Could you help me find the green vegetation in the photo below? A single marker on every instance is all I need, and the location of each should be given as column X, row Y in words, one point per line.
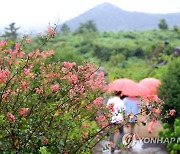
column 170, row 89
column 124, row 54
column 174, row 133
column 163, row 25
column 132, row 54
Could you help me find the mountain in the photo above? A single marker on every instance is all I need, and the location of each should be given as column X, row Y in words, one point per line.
column 109, row 17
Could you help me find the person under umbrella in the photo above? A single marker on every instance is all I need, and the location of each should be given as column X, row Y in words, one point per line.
column 132, row 105
column 117, row 108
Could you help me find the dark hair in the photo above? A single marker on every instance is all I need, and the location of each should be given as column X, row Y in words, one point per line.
column 123, row 96
column 117, row 93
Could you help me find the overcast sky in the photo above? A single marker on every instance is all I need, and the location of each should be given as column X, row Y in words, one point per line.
column 38, row 13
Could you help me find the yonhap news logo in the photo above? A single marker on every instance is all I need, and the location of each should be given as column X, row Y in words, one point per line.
column 129, row 140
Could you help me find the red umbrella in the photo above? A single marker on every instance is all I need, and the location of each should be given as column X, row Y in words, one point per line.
column 126, row 86
column 144, row 91
column 152, row 84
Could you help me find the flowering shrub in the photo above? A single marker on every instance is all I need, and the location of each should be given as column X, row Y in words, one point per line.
column 53, row 107
column 47, row 104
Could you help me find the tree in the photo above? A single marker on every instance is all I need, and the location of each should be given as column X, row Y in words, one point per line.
column 176, row 29
column 65, row 29
column 11, row 32
column 170, row 88
column 89, row 26
column 163, row 25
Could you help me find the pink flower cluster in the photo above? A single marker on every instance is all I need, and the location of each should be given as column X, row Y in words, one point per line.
column 24, row 84
column 23, row 111
column 153, row 99
column 98, row 101
column 11, row 117
column 96, row 82
column 28, row 40
column 69, row 65
column 6, row 94
column 43, row 54
column 3, row 43
column 151, row 126
column 38, row 91
column 172, row 112
column 72, row 78
column 101, row 118
column 51, row 31
column 4, row 74
column 55, row 87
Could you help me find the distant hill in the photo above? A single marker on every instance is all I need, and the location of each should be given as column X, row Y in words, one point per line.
column 109, row 17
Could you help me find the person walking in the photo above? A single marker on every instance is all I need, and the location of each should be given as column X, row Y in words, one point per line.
column 132, row 105
column 117, row 108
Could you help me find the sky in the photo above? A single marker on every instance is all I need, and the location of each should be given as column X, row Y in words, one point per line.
column 36, row 14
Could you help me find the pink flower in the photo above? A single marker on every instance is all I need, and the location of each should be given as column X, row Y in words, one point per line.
column 111, row 144
column 98, row 101
column 14, row 53
column 51, row 31
column 3, row 43
column 157, row 111
column 17, row 45
column 80, row 68
column 38, row 91
column 172, row 112
column 45, row 140
column 23, row 111
column 151, row 126
column 30, row 54
column 11, row 117
column 21, row 54
column 69, row 65
column 51, row 52
column 85, row 134
column 27, row 71
column 101, row 118
column 4, row 96
column 28, row 40
column 72, row 92
column 4, row 74
column 24, row 84
column 55, row 87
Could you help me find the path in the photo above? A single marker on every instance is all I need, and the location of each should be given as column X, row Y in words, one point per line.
column 138, row 148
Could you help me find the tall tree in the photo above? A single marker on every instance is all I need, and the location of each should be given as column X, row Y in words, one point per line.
column 11, row 32
column 89, row 26
column 169, row 91
column 65, row 29
column 163, row 25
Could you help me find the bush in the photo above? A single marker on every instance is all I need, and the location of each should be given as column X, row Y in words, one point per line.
column 169, row 91
column 47, row 107
column 172, row 132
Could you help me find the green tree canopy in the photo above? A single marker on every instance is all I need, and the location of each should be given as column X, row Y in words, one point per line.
column 163, row 25
column 170, row 88
column 65, row 29
column 89, row 26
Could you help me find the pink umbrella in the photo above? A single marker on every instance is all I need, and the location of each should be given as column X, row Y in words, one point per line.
column 144, row 91
column 152, row 84
column 126, row 86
